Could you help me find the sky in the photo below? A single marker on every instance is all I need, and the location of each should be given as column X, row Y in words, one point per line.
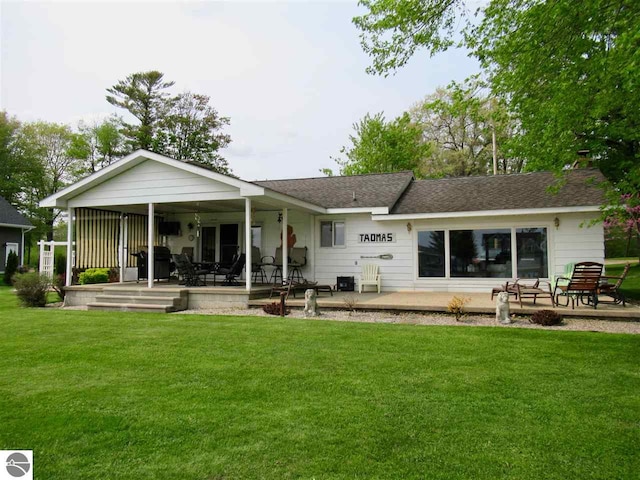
column 290, row 75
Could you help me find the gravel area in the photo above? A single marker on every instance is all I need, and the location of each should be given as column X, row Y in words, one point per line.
column 412, row 318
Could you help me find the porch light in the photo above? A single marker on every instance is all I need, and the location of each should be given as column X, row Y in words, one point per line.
column 280, row 217
column 409, row 227
column 556, row 222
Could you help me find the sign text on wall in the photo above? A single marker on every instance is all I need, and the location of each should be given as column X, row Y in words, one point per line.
column 376, row 237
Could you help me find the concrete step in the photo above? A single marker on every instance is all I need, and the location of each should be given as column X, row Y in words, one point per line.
column 133, row 307
column 119, row 299
column 146, row 292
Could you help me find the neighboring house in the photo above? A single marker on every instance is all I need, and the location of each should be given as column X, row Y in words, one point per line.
column 12, row 229
column 452, row 234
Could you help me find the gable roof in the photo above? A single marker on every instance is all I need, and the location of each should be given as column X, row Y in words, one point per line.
column 501, row 192
column 371, row 190
column 10, row 216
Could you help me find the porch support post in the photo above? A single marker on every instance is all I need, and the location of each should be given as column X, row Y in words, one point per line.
column 121, row 248
column 69, row 276
column 150, row 251
column 247, row 242
column 285, row 245
column 22, row 246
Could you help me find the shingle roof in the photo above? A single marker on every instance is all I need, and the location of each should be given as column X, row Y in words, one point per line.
column 11, row 216
column 373, row 190
column 499, row 192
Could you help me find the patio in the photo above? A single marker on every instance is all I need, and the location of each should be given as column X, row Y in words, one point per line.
column 223, row 297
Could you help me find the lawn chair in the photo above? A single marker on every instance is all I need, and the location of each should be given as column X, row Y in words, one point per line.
column 582, row 286
column 233, row 272
column 369, row 276
column 192, row 276
column 613, row 289
column 257, row 265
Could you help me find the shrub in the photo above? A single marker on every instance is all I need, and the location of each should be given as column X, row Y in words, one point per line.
column 350, row 302
column 274, row 309
column 546, row 317
column 61, row 264
column 23, row 269
column 456, row 306
column 32, row 288
column 10, row 267
column 94, row 275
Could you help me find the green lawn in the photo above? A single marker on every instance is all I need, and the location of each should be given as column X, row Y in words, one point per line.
column 99, row 395
column 631, row 285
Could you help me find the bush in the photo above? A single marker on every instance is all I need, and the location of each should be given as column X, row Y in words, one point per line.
column 32, row 288
column 456, row 306
column 546, row 317
column 94, row 275
column 10, row 267
column 61, row 264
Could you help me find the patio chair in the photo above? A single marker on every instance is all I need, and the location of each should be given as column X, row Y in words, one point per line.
column 191, row 276
column 233, row 272
column 613, row 289
column 540, row 288
column 369, row 276
column 582, row 286
column 257, row 265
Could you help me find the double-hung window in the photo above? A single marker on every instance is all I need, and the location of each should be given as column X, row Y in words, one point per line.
column 332, row 234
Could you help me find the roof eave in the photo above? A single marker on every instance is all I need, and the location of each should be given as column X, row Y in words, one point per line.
column 487, row 213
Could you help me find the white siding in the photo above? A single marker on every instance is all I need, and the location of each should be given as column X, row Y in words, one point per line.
column 570, row 242
column 154, row 182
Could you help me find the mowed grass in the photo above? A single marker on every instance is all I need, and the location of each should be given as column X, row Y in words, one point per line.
column 102, row 395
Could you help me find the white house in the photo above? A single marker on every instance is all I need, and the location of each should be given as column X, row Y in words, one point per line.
column 451, row 234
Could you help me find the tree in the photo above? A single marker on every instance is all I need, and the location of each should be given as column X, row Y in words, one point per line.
column 460, row 121
column 98, row 145
column 143, row 95
column 46, row 148
column 11, row 170
column 184, row 126
column 190, row 131
column 380, row 147
column 568, row 72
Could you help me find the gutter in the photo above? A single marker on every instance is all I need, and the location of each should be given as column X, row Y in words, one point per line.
column 485, row 213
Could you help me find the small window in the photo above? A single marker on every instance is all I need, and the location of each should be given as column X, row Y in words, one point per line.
column 332, row 234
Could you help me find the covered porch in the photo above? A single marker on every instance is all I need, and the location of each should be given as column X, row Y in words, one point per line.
column 146, row 201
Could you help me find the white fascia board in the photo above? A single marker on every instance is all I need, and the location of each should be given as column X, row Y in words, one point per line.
column 156, row 199
column 293, row 201
column 60, row 199
column 26, row 228
column 486, row 213
column 371, row 210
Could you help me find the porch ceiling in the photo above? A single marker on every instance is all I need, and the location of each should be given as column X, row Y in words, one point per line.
column 217, row 206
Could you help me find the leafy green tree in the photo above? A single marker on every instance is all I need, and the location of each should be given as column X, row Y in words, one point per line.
column 460, row 121
column 98, row 145
column 12, row 170
column 378, row 146
column 184, row 126
column 190, row 131
column 568, row 71
column 47, row 149
column 144, row 95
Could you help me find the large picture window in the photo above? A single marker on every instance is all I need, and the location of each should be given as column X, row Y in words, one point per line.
column 431, row 254
column 532, row 252
column 483, row 253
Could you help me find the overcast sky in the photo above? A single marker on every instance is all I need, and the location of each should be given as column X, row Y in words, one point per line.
column 290, row 75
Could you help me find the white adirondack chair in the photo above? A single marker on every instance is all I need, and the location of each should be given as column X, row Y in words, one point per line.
column 369, row 276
